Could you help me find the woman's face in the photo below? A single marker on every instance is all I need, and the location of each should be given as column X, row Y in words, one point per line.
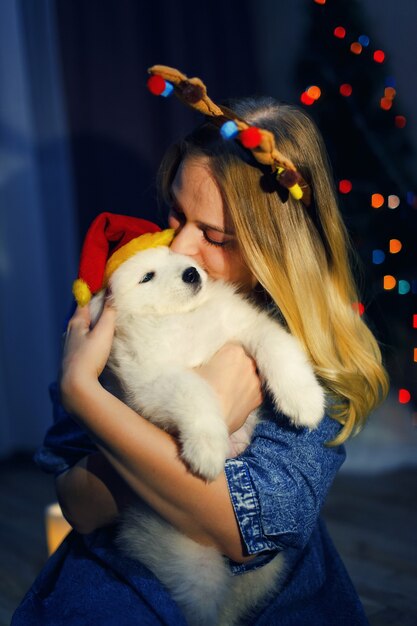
column 201, row 231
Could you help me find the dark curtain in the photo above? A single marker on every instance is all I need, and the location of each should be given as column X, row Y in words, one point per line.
column 118, row 130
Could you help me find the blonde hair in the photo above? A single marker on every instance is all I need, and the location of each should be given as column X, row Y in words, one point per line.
column 300, row 256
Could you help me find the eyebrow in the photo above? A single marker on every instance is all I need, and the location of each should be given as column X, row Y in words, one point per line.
column 200, row 223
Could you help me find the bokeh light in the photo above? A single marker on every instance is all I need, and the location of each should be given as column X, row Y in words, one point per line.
column 345, row 89
column 378, row 257
column 395, row 246
column 400, row 121
column 306, row 99
column 364, row 40
column 393, row 202
column 389, row 92
column 415, row 320
column 403, row 287
column 359, row 308
column 379, row 56
column 389, row 282
column 404, row 396
column 415, row 355
column 345, row 186
column 377, row 200
column 385, row 104
column 339, row 32
column 314, row 92
column 320, row 1
column 356, row 47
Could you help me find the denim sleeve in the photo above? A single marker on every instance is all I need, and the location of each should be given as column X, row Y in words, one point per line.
column 279, row 483
column 65, row 442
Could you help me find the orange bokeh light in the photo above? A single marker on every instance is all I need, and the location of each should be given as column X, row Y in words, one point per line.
column 314, row 92
column 377, row 200
column 386, row 104
column 395, row 246
column 389, row 92
column 389, row 282
column 356, row 47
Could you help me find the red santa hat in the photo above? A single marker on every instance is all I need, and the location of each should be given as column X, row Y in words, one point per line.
column 111, row 240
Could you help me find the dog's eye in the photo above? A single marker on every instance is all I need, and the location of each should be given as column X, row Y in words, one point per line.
column 148, row 276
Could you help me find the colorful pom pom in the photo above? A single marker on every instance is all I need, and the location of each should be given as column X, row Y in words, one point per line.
column 169, row 88
column 229, row 130
column 296, row 192
column 156, row 85
column 250, row 137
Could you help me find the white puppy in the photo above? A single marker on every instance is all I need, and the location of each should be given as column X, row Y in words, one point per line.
column 171, row 317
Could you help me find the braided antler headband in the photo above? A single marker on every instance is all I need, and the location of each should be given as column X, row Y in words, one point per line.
column 193, row 92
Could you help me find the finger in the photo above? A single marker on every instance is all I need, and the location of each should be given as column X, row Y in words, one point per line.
column 105, row 325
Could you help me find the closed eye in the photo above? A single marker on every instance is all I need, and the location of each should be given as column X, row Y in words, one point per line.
column 147, row 277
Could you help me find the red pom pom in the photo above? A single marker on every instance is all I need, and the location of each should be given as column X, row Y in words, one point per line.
column 250, row 137
column 156, row 85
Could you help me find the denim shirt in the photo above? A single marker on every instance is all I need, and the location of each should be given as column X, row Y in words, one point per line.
column 277, row 485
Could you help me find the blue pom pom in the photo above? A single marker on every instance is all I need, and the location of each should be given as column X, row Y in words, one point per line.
column 229, row 130
column 168, row 89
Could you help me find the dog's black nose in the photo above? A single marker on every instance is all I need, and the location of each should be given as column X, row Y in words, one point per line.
column 190, row 275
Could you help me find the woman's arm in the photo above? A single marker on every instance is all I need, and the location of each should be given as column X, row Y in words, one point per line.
column 145, row 457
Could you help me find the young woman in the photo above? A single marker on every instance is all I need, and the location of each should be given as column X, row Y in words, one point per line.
column 231, row 215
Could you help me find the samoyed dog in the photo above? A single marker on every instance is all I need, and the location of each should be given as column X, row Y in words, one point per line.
column 170, row 318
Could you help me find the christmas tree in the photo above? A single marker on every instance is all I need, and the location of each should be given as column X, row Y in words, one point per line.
column 345, row 82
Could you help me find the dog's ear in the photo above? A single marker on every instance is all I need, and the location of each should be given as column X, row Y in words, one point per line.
column 96, row 306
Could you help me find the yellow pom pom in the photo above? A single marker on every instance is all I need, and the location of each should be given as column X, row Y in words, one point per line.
column 81, row 292
column 296, row 192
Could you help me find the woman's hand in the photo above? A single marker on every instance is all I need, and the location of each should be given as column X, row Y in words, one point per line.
column 85, row 352
column 233, row 375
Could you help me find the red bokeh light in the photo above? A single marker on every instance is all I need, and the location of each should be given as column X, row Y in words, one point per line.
column 345, row 186
column 379, row 56
column 345, row 89
column 339, row 32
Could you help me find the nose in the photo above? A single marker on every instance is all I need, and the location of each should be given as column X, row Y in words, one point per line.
column 190, row 275
column 185, row 242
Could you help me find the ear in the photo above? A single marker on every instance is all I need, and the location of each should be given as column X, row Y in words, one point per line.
column 96, row 306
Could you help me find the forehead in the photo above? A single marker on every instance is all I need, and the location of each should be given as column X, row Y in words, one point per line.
column 197, row 193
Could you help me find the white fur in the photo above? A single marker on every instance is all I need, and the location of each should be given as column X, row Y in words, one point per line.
column 164, row 328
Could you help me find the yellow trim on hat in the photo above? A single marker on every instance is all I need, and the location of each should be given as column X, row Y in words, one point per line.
column 148, row 240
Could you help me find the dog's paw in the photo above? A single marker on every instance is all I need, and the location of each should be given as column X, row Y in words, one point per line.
column 304, row 405
column 205, row 450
